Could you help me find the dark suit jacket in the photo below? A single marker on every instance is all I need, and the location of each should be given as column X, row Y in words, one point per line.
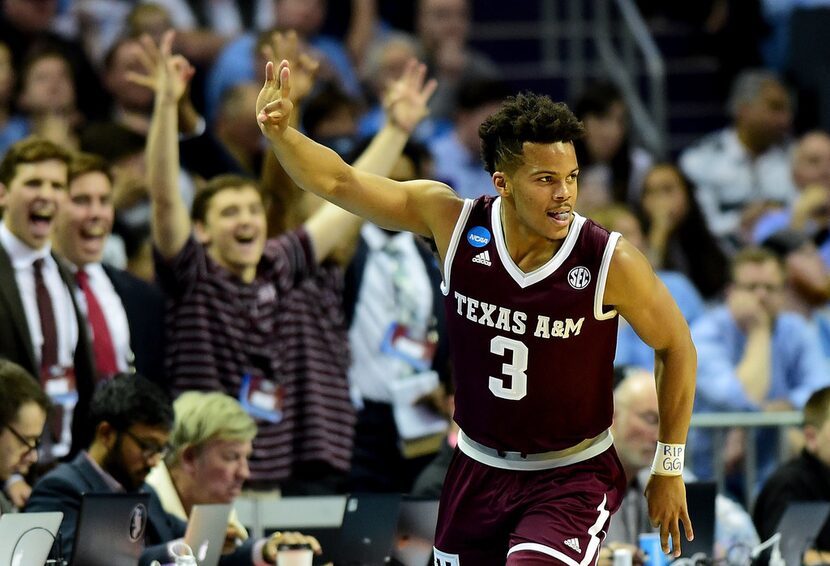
column 144, row 305
column 62, row 490
column 16, row 342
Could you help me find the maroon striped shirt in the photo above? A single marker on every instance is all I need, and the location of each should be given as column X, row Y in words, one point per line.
column 221, row 329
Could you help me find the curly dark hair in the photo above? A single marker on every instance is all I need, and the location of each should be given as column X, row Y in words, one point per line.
column 130, row 399
column 526, row 117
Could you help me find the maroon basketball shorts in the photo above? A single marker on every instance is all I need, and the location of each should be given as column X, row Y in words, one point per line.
column 491, row 516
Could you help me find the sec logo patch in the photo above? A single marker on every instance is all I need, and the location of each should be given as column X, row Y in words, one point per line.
column 579, row 277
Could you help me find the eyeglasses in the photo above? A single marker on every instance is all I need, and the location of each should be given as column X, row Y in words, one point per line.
column 149, row 449
column 30, row 445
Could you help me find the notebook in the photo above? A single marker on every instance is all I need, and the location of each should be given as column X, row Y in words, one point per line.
column 111, row 529
column 799, row 526
column 368, row 530
column 415, row 533
column 27, row 538
column 206, row 528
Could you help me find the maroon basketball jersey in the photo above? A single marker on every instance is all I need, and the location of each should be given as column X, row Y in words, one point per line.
column 532, row 353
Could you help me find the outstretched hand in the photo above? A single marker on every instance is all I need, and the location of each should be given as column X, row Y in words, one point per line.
column 167, row 75
column 667, row 509
column 405, row 100
column 273, row 105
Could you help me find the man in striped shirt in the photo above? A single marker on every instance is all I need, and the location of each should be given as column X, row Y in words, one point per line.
column 227, row 282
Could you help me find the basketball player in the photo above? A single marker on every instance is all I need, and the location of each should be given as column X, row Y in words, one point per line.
column 532, row 293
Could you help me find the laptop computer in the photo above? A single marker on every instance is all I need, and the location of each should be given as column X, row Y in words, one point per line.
column 206, row 528
column 26, row 538
column 799, row 526
column 319, row 516
column 368, row 530
column 700, row 499
column 415, row 533
column 111, row 529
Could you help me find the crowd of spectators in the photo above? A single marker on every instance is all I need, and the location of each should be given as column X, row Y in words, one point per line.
column 146, row 229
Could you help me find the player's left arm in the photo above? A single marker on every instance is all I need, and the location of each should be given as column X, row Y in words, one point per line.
column 642, row 299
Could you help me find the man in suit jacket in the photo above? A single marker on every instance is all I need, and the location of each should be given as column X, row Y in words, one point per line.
column 33, row 177
column 132, row 418
column 126, row 314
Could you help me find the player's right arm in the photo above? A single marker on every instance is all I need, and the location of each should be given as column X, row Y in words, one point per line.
column 427, row 208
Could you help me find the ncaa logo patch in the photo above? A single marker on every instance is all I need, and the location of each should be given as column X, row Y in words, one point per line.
column 579, row 277
column 478, row 236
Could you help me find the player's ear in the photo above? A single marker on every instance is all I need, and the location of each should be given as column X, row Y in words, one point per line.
column 500, row 182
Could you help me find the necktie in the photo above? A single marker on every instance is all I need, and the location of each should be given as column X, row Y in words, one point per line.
column 49, row 348
column 101, row 339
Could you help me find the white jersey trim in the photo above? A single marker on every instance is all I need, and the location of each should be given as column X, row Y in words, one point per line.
column 526, row 279
column 590, row 551
column 602, row 278
column 451, row 249
column 530, row 462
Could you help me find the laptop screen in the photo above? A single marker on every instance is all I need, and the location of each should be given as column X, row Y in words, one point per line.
column 26, row 538
column 799, row 526
column 700, row 498
column 415, row 534
column 206, row 528
column 111, row 529
column 368, row 531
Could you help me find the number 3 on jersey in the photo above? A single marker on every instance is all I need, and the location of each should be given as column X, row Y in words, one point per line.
column 502, row 346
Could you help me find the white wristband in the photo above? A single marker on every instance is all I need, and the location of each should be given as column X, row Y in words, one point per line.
column 668, row 460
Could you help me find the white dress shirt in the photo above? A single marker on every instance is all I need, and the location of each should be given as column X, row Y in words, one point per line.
column 22, row 257
column 728, row 178
column 377, row 308
column 113, row 309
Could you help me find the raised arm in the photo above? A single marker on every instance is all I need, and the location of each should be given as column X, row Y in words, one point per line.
column 642, row 299
column 424, row 207
column 405, row 105
column 168, row 76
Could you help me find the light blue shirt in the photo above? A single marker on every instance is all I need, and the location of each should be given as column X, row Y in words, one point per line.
column 798, row 369
column 426, row 131
column 460, row 168
column 15, row 130
column 235, row 65
column 631, row 350
column 776, row 220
